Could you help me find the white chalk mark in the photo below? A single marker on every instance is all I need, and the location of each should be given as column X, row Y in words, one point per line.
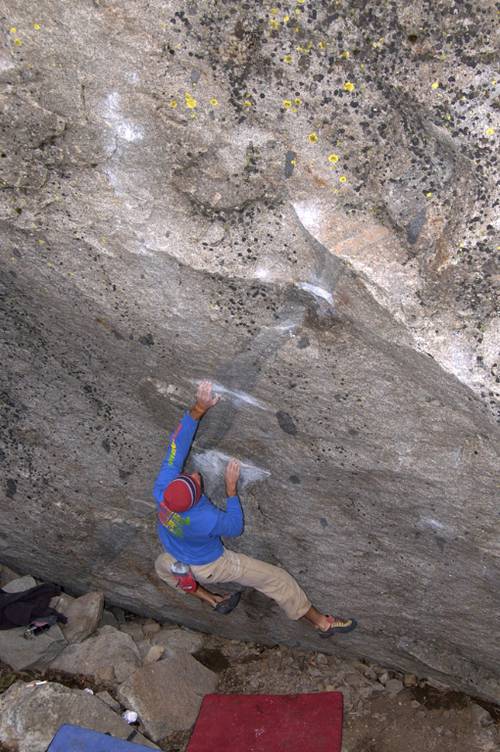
column 211, row 465
column 132, row 77
column 122, row 128
column 286, row 326
column 262, row 273
column 445, row 531
column 318, row 292
column 309, row 215
column 235, row 395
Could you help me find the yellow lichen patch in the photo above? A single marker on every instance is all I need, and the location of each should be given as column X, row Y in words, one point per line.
column 348, row 86
column 37, row 26
column 313, row 138
column 345, row 55
column 490, row 131
column 342, row 179
column 274, row 11
column 247, row 103
column 297, row 101
column 274, row 23
column 18, row 42
column 293, row 162
column 428, row 194
column 13, row 30
column 333, row 158
column 214, row 102
column 435, row 85
column 190, row 101
column 322, row 45
column 298, row 11
column 287, row 59
column 287, row 103
column 173, row 103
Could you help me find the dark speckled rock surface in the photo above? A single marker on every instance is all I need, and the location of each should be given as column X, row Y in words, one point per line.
column 298, row 202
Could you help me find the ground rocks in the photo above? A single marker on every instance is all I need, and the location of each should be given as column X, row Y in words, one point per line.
column 7, row 575
column 38, row 652
column 154, row 654
column 178, row 640
column 84, row 614
column 21, row 653
column 30, row 715
column 109, row 652
column 300, row 204
column 167, row 695
column 19, row 584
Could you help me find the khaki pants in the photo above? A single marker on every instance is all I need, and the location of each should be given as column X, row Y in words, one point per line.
column 273, row 581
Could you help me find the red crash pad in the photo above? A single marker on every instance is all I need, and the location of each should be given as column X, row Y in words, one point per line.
column 269, row 723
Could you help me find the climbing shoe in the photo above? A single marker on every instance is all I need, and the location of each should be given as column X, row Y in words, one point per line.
column 228, row 604
column 338, row 625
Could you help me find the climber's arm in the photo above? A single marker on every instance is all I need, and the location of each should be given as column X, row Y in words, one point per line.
column 230, row 523
column 181, row 439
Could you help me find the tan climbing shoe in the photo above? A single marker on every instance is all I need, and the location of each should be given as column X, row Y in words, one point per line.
column 338, row 625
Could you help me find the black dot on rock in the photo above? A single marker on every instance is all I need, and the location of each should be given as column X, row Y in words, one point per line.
column 11, row 488
column 294, row 479
column 286, row 422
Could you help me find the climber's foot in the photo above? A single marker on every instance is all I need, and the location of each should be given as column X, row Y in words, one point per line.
column 334, row 624
column 227, row 603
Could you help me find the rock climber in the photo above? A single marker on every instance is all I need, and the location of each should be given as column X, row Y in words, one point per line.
column 190, row 529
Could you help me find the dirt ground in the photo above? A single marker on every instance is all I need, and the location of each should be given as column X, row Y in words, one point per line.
column 381, row 714
column 376, row 720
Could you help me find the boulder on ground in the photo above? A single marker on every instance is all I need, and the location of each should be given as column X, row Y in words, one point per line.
column 21, row 654
column 108, row 619
column 178, row 640
column 7, row 575
column 154, row 654
column 84, row 615
column 62, row 602
column 134, row 629
column 109, row 700
column 107, row 649
column 30, row 715
column 167, row 695
column 20, row 584
column 151, row 627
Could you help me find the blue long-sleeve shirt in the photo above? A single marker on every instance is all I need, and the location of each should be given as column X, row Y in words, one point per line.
column 193, row 536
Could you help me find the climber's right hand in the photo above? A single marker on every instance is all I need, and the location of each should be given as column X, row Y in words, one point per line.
column 231, row 477
column 204, row 400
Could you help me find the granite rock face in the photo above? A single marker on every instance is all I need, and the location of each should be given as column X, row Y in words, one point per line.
column 297, row 202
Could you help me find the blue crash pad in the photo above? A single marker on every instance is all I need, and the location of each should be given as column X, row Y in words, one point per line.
column 77, row 739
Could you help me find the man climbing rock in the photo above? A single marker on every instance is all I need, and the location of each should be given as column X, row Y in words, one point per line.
column 190, row 529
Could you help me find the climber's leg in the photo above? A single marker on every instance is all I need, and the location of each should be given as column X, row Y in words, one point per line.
column 163, row 566
column 273, row 581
